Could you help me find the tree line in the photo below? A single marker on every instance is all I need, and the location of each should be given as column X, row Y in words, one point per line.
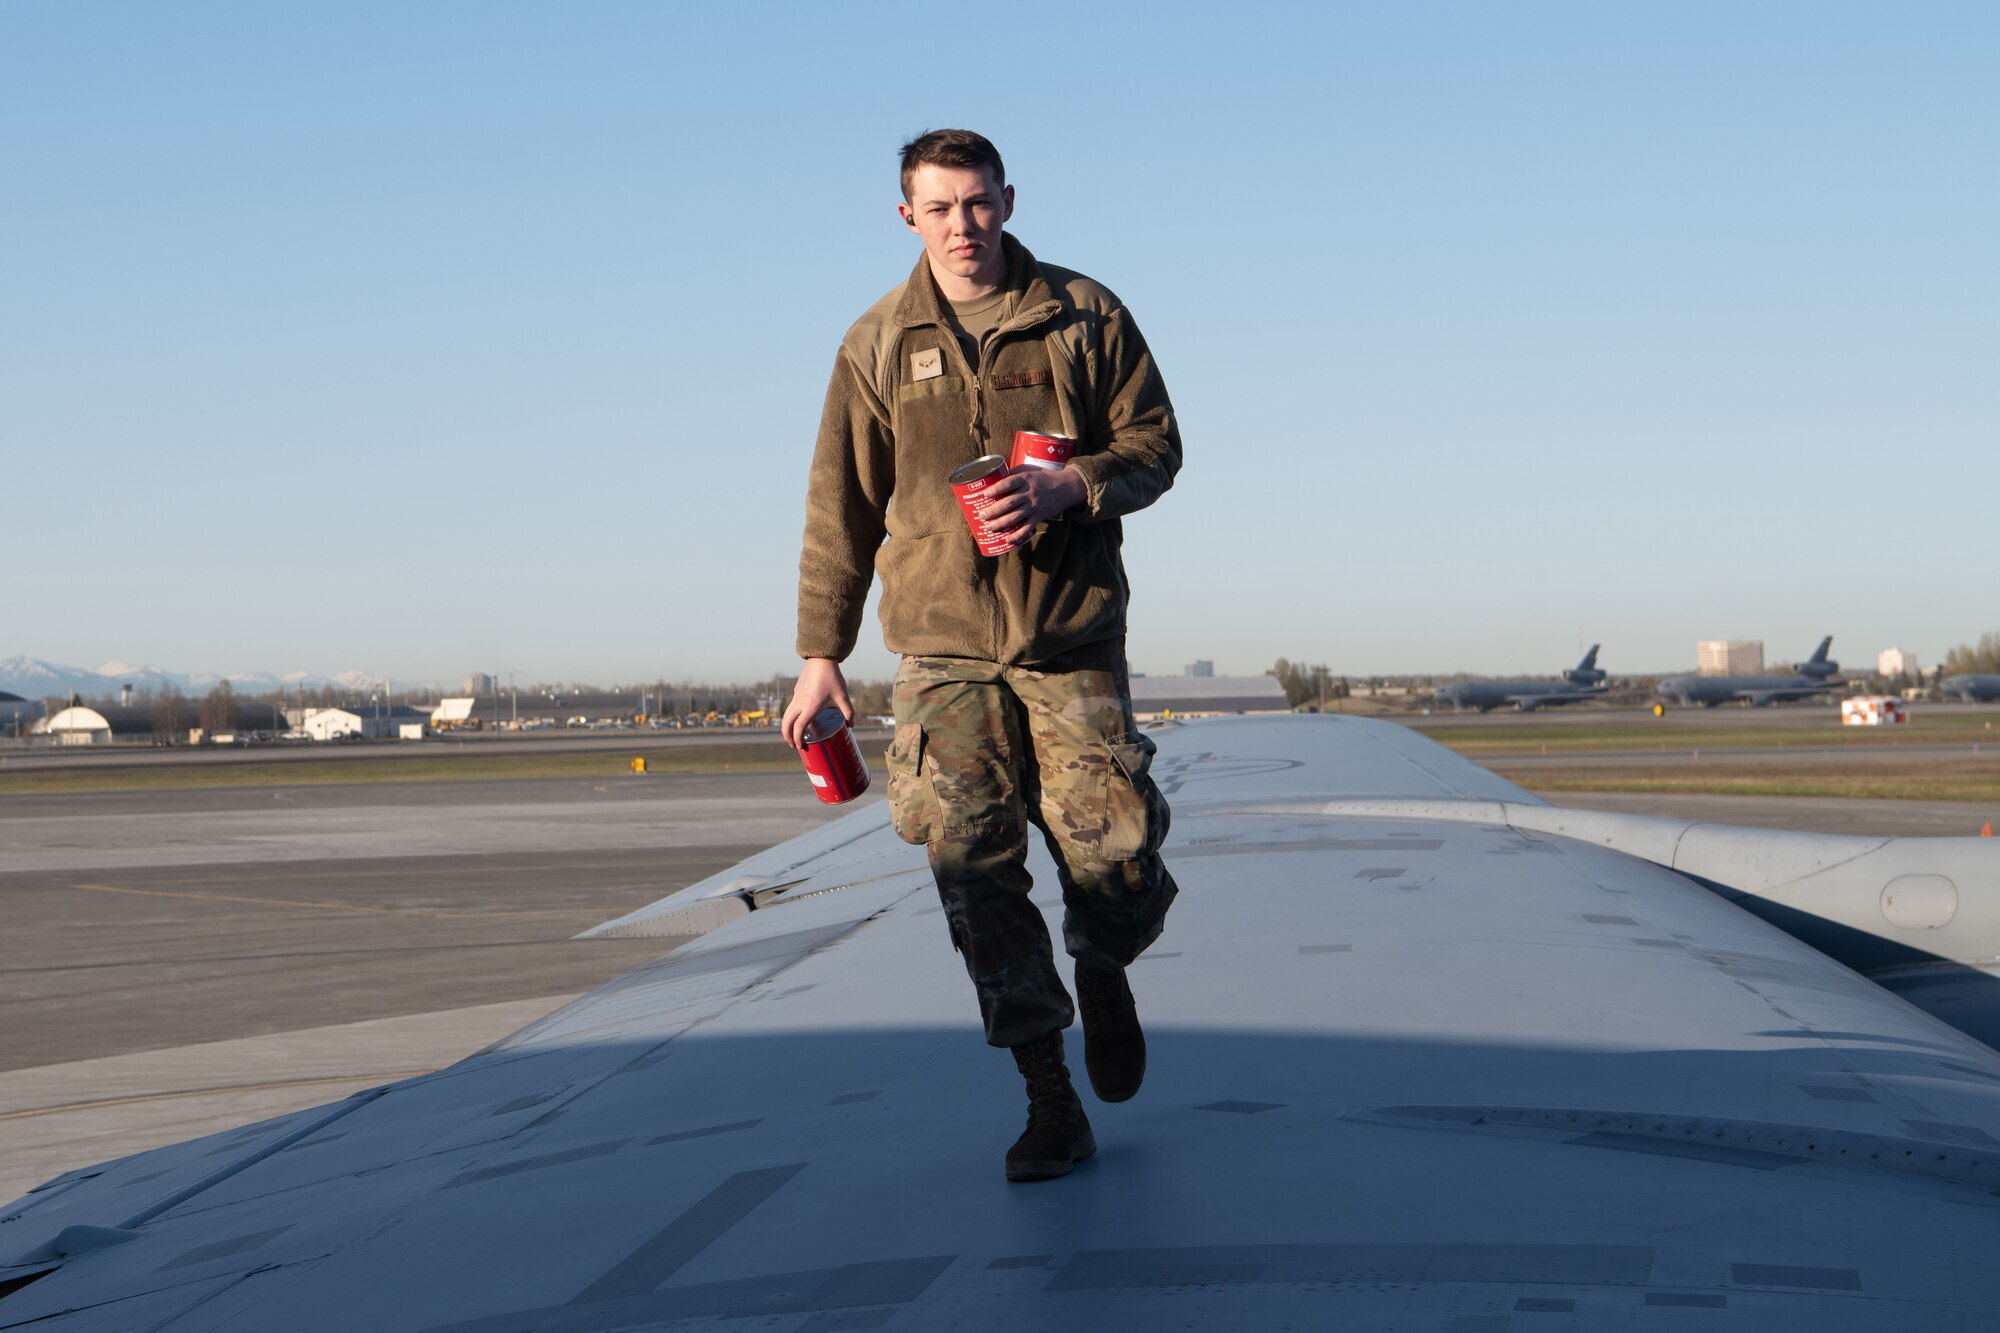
column 223, row 709
column 1303, row 684
column 1974, row 659
column 172, row 711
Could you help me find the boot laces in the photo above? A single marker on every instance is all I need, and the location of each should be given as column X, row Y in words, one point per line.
column 1052, row 1101
column 1106, row 999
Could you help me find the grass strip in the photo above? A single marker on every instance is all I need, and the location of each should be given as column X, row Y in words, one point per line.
column 1944, row 780
column 1666, row 734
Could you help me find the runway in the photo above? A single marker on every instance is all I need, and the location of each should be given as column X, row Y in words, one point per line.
column 182, row 961
column 1682, row 754
column 177, row 961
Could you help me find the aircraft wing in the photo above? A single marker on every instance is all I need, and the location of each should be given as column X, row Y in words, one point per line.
column 1427, row 1054
column 1784, row 692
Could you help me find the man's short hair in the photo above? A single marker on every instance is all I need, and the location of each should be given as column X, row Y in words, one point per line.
column 951, row 148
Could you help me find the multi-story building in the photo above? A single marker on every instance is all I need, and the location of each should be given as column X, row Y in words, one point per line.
column 1897, row 662
column 1729, row 657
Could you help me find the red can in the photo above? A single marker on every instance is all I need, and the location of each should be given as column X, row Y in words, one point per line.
column 969, row 484
column 1035, row 448
column 833, row 760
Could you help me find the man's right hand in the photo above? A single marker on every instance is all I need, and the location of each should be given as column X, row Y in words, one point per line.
column 820, row 684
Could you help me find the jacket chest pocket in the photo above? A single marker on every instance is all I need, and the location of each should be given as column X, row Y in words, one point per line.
column 932, row 425
column 932, row 409
column 941, row 386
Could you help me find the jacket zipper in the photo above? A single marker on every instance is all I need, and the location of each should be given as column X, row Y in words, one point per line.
column 978, row 433
column 986, row 344
column 977, row 429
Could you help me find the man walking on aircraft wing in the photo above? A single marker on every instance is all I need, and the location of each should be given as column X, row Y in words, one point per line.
column 1012, row 706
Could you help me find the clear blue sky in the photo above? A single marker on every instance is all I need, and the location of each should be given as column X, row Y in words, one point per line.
column 428, row 338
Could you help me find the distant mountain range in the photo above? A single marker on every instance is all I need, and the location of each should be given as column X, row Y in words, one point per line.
column 32, row 678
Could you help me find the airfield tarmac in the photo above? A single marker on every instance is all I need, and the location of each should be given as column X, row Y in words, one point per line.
column 559, row 740
column 179, row 961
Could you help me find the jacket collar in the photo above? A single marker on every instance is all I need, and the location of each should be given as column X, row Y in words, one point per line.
column 1033, row 300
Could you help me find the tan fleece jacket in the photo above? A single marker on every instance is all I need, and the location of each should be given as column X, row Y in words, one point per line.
column 1069, row 359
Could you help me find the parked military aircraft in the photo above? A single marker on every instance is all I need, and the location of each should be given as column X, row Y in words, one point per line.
column 1425, row 1054
column 1815, row 675
column 1582, row 681
column 1971, row 689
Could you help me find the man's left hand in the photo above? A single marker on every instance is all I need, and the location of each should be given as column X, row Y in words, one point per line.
column 1030, row 495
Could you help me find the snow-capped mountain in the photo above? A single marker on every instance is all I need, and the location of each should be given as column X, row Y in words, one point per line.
column 117, row 668
column 32, row 678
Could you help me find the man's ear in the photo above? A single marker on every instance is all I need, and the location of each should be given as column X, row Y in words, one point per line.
column 1007, row 197
column 909, row 215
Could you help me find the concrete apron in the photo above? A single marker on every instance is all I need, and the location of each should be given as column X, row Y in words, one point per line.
column 58, row 1117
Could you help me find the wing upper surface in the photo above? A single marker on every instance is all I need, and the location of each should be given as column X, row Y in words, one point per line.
column 1407, row 1072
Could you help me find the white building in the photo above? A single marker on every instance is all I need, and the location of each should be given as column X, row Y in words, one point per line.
column 1729, row 657
column 76, row 726
column 79, row 725
column 455, row 712
column 368, row 720
column 1207, row 696
column 1897, row 662
column 331, row 724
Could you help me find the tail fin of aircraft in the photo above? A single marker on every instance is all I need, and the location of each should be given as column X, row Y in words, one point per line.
column 1585, row 672
column 1819, row 666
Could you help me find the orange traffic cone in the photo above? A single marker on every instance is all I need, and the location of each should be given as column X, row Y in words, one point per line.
column 1986, row 829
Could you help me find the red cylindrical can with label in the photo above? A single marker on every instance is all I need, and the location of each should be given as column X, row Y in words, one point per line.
column 833, row 760
column 1038, row 448
column 969, row 484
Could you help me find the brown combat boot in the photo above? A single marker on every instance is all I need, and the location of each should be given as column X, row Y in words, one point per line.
column 1114, row 1046
column 1058, row 1136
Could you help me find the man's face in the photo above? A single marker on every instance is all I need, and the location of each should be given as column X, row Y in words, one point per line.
column 958, row 211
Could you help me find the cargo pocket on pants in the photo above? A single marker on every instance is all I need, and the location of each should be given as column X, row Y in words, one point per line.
column 913, row 806
column 1128, row 816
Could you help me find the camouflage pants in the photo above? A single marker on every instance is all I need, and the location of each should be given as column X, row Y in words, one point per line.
column 982, row 751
